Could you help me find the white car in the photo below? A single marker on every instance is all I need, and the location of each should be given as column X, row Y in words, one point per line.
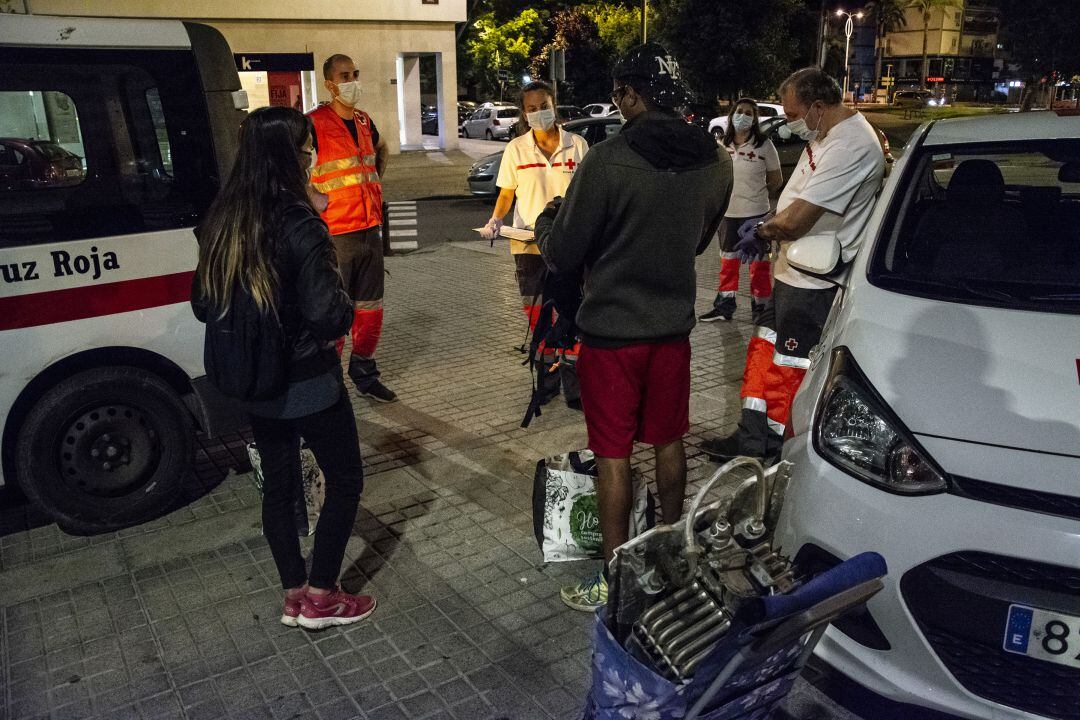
column 939, row 424
column 491, row 121
column 600, row 109
column 718, row 125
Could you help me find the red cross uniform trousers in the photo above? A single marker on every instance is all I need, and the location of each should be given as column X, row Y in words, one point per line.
column 777, row 359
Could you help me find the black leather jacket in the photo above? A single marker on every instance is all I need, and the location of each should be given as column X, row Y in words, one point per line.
column 314, row 308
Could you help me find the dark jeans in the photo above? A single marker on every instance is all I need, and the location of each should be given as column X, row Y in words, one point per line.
column 331, row 435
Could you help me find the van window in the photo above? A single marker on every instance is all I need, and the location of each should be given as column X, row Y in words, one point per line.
column 991, row 224
column 121, row 139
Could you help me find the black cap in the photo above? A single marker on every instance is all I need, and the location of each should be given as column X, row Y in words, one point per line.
column 654, row 73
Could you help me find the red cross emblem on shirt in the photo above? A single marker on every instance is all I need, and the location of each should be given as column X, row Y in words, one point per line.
column 570, row 164
column 751, row 155
column 791, row 344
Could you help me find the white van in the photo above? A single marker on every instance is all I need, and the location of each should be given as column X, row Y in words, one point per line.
column 939, row 425
column 114, row 135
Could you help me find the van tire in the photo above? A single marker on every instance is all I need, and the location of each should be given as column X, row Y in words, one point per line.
column 63, row 451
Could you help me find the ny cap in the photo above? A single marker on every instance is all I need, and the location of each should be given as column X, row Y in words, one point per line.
column 654, row 73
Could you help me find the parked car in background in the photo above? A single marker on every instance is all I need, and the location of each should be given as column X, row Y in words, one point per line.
column 429, row 120
column 485, row 171
column 32, row 164
column 599, row 109
column 491, row 121
column 938, row 425
column 465, row 108
column 567, row 113
column 698, row 114
column 718, row 125
column 915, row 99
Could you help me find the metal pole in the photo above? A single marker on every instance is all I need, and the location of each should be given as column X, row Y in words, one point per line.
column 644, row 21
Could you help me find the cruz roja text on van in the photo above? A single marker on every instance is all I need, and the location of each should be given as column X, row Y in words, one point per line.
column 64, row 265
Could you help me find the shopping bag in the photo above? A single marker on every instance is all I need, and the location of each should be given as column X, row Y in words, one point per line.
column 566, row 520
column 310, row 491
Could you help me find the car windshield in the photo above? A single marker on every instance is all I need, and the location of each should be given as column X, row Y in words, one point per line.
column 990, row 224
column 51, row 151
column 508, row 113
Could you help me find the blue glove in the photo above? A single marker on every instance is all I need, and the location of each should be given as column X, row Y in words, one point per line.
column 750, row 247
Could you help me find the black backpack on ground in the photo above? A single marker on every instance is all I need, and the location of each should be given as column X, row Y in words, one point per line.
column 244, row 353
column 555, row 329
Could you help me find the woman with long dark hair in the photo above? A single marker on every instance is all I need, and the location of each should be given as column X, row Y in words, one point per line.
column 262, row 236
column 756, row 170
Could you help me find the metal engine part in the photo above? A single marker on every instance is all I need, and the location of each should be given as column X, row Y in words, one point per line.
column 677, row 587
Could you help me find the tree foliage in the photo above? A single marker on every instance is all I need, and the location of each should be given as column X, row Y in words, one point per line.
column 730, row 49
column 619, row 26
column 1044, row 35
column 494, row 46
column 588, row 63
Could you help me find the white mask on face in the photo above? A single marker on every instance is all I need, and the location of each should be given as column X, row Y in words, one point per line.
column 543, row 119
column 349, row 93
column 311, row 163
column 741, row 122
column 800, row 128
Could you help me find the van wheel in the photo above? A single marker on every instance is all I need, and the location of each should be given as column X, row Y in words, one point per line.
column 105, row 449
column 489, row 135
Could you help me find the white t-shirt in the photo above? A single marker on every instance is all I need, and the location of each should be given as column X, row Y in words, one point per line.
column 841, row 173
column 537, row 180
column 749, row 192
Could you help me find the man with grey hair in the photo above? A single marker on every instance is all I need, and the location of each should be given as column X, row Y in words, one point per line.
column 831, row 195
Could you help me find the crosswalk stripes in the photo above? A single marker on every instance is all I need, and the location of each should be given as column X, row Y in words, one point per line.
column 402, row 216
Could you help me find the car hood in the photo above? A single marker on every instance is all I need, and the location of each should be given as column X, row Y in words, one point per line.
column 1001, row 377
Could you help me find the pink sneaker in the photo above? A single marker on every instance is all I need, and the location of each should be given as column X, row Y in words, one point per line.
column 333, row 608
column 292, row 609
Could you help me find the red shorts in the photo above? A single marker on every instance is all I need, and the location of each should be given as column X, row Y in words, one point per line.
column 637, row 392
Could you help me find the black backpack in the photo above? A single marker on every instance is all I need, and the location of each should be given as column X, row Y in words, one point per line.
column 556, row 329
column 244, row 352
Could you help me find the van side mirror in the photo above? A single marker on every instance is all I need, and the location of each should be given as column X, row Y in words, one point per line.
column 817, row 254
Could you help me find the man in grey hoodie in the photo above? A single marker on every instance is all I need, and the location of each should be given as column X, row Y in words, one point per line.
column 640, row 208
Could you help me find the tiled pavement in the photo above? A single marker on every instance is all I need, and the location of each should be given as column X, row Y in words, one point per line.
column 178, row 618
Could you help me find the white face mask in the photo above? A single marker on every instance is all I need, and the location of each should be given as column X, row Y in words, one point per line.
column 741, row 122
column 311, row 163
column 543, row 119
column 349, row 93
column 800, row 128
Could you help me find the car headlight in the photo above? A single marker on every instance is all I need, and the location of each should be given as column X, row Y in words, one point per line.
column 481, row 169
column 857, row 432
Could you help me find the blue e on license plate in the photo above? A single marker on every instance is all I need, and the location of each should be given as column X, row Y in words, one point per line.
column 1050, row 636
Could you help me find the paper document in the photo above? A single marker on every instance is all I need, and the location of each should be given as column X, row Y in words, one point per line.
column 513, row 233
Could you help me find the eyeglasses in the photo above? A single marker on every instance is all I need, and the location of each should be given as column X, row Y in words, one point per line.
column 620, row 92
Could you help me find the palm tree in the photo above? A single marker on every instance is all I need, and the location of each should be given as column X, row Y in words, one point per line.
column 925, row 7
column 889, row 16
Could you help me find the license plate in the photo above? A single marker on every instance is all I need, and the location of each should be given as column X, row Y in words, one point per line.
column 1050, row 636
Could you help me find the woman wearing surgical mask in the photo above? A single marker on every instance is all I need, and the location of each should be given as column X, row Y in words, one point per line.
column 536, row 168
column 756, row 170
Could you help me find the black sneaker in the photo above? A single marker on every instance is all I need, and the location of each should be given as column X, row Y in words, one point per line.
column 716, row 314
column 377, row 391
column 723, row 449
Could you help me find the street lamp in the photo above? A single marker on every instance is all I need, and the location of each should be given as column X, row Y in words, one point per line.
column 849, row 27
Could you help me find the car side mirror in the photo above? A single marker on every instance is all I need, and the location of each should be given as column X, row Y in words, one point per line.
column 784, row 132
column 817, row 254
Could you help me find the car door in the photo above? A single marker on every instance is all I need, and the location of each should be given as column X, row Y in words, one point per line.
column 789, row 146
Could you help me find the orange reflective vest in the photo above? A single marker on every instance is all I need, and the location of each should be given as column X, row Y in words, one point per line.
column 345, row 171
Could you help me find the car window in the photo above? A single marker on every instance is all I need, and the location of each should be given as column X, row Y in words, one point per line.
column 612, row 129
column 990, row 224
column 123, row 137
column 508, row 113
column 766, row 111
column 32, row 127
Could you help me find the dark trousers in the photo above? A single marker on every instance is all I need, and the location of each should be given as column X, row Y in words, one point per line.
column 331, row 435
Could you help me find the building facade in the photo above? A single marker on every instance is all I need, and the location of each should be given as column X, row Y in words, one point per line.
column 399, row 46
column 964, row 52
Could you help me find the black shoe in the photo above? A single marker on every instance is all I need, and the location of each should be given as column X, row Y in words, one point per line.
column 575, row 405
column 377, row 391
column 716, row 314
column 721, row 450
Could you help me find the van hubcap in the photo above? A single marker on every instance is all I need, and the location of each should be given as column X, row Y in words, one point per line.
column 109, row 451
